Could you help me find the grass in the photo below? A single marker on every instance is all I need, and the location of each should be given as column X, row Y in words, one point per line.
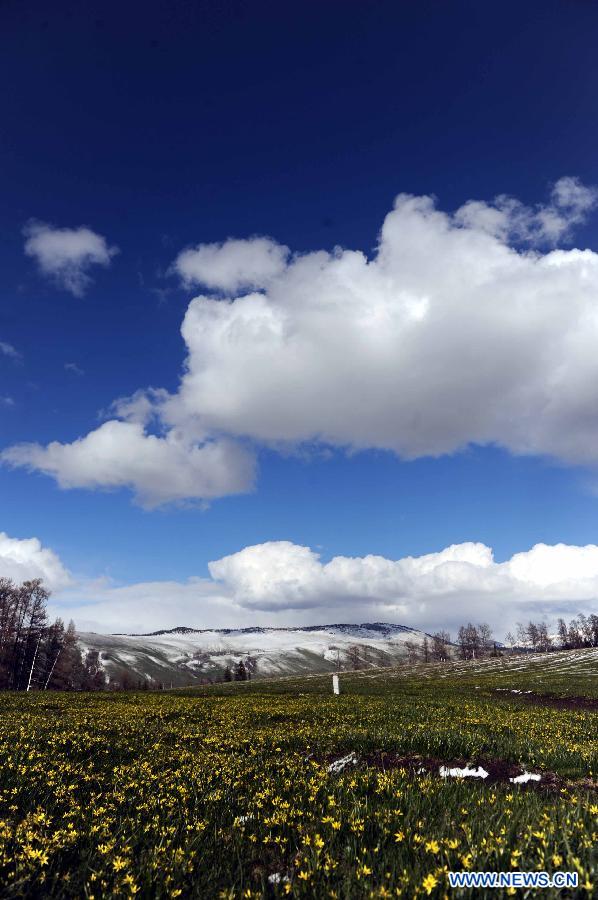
column 225, row 791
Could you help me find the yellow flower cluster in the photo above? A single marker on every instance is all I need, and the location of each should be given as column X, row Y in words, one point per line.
column 230, row 795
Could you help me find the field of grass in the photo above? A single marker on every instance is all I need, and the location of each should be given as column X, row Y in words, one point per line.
column 227, row 791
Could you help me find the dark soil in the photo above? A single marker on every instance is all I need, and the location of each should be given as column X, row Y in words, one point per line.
column 550, row 700
column 499, row 770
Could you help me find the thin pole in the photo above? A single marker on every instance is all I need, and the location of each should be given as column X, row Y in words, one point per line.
column 34, row 658
column 52, row 669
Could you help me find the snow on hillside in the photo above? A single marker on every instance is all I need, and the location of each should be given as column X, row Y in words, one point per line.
column 185, row 655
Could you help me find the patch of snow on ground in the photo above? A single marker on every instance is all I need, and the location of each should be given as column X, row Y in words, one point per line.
column 340, row 764
column 525, row 777
column 467, row 772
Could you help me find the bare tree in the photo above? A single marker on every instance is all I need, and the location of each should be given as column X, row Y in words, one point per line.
column 563, row 634
column 354, row 657
column 522, row 635
column 544, row 639
column 584, row 625
column 469, row 642
column 440, row 649
column 33, row 654
column 532, row 635
column 485, row 637
column 574, row 638
column 412, row 651
column 426, row 649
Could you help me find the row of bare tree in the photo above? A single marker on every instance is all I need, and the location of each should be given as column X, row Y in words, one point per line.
column 436, row 648
column 473, row 642
column 476, row 641
column 582, row 631
column 36, row 654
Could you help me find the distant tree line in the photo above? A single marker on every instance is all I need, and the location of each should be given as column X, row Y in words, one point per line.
column 582, row 631
column 477, row 642
column 473, row 642
column 36, row 654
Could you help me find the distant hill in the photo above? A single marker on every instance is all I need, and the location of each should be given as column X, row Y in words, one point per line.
column 184, row 655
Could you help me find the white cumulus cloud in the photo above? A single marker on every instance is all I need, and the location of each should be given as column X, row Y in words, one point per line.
column 455, row 332
column 282, row 575
column 24, row 560
column 507, row 217
column 279, row 583
column 158, row 469
column 436, row 590
column 449, row 336
column 67, row 254
column 232, row 265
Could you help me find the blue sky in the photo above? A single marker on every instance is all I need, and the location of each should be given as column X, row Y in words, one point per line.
column 166, row 126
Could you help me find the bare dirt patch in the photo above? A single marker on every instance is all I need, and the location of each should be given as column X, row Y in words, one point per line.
column 553, row 700
column 499, row 770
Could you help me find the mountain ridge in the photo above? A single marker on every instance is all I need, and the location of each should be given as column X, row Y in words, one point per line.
column 264, row 629
column 183, row 655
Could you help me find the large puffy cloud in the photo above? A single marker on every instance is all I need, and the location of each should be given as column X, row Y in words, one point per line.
column 266, row 576
column 436, row 590
column 462, row 329
column 281, row 575
column 67, row 254
column 280, row 583
column 158, row 468
column 24, row 560
column 447, row 337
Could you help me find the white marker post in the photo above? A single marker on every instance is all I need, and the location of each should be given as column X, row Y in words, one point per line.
column 335, row 685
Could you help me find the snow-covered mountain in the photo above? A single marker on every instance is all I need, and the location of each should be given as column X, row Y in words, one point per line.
column 185, row 655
